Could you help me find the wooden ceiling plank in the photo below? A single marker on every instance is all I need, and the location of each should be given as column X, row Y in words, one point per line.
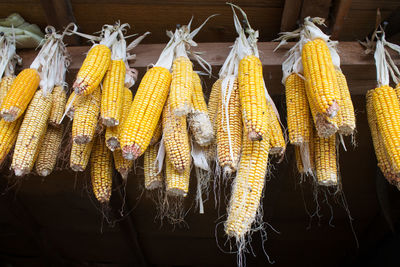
column 316, row 8
column 342, row 10
column 290, row 15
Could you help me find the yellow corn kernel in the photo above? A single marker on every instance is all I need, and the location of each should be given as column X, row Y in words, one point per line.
column 157, row 134
column 80, row 155
column 278, row 143
column 31, row 133
column 176, row 138
column 181, row 86
column 252, row 97
column 5, row 85
column 112, row 94
column 176, row 183
column 229, row 136
column 8, row 136
column 86, row 115
column 93, row 69
column 346, row 117
column 58, row 105
column 101, row 170
column 48, row 152
column 122, row 165
column 145, row 112
column 320, row 74
column 213, row 102
column 152, row 178
column 20, row 94
column 325, row 160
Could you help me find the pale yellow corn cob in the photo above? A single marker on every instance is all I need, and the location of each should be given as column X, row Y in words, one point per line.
column 213, row 102
column 80, row 155
column 325, row 160
column 346, row 117
column 58, row 105
column 8, row 136
column 71, row 107
column 278, row 144
column 5, row 85
column 181, row 86
column 176, row 183
column 152, row 178
column 157, row 134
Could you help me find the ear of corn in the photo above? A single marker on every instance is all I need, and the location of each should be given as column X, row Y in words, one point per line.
column 157, row 134
column 80, row 155
column 112, row 93
column 48, row 152
column 152, row 179
column 92, row 70
column 325, row 160
column 229, row 145
column 278, row 143
column 181, row 86
column 322, row 85
column 122, row 165
column 58, row 105
column 31, row 133
column 145, row 112
column 176, row 183
column 176, row 138
column 113, row 133
column 20, row 94
column 5, row 86
column 8, row 136
column 213, row 102
column 346, row 117
column 101, row 170
column 85, row 117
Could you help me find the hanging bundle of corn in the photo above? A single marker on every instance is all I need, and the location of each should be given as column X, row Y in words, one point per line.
column 30, row 136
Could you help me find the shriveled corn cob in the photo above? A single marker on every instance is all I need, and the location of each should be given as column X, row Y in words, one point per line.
column 113, row 133
column 80, row 155
column 58, row 105
column 20, row 94
column 278, row 144
column 247, row 187
column 176, row 138
column 346, row 117
column 85, row 117
column 31, row 133
column 71, row 106
column 181, row 86
column 5, row 85
column 157, row 134
column 101, row 170
column 176, row 183
column 8, row 136
column 122, row 165
column 48, row 152
column 320, row 74
column 152, row 178
column 325, row 160
column 145, row 112
column 112, row 93
column 298, row 111
column 199, row 121
column 92, row 70
column 229, row 137
column 252, row 97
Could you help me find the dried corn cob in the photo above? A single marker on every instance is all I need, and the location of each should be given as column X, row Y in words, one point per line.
column 48, row 152
column 325, row 160
column 299, row 162
column 101, row 170
column 122, row 165
column 71, row 107
column 152, row 178
column 58, row 105
column 176, row 138
column 157, row 134
column 176, row 183
column 31, row 133
column 213, row 101
column 92, row 70
column 346, row 117
column 112, row 93
column 20, row 94
column 278, row 144
column 145, row 112
column 80, row 155
column 181, row 86
column 5, row 85
column 8, row 136
column 85, row 117
column 229, row 144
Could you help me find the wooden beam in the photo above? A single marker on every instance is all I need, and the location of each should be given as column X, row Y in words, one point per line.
column 290, row 15
column 342, row 10
column 315, row 8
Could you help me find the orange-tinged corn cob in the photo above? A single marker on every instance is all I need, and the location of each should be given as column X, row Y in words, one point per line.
column 48, row 152
column 31, row 134
column 122, row 165
column 176, row 183
column 346, row 117
column 20, row 94
column 278, row 144
column 157, row 134
column 80, row 155
column 8, row 136
column 58, row 105
column 252, row 97
column 86, row 116
column 112, row 94
column 152, row 178
column 145, row 112
column 101, row 170
column 181, row 86
column 325, row 160
column 5, row 85
column 92, row 70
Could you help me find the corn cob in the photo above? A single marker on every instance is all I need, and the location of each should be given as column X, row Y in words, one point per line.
column 176, row 138
column 325, row 160
column 346, row 117
column 5, row 85
column 199, row 121
column 213, row 102
column 101, row 170
column 145, row 112
column 58, row 105
column 8, row 136
column 80, row 155
column 85, row 117
column 48, row 152
column 20, row 94
column 247, row 187
column 176, row 183
column 278, row 143
column 92, row 70
column 152, row 179
column 181, row 86
column 112, row 94
column 31, row 133
column 299, row 161
column 298, row 112
column 122, row 165
column 322, row 85
column 71, row 108
column 157, row 134
column 228, row 151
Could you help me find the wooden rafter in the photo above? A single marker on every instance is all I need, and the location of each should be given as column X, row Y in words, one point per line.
column 290, row 15
column 341, row 12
